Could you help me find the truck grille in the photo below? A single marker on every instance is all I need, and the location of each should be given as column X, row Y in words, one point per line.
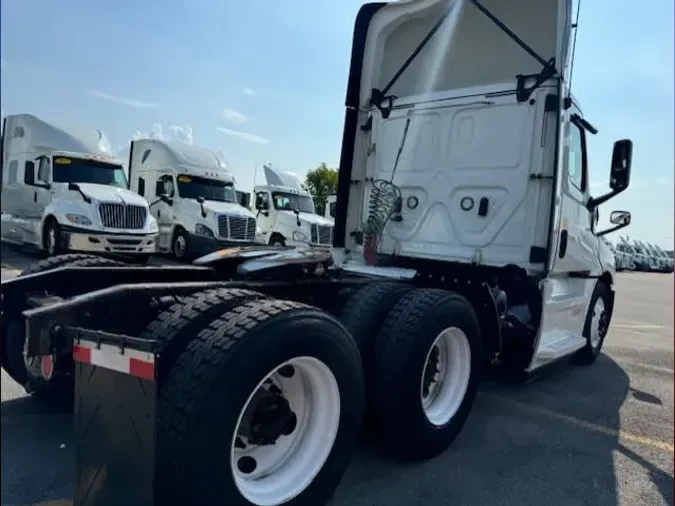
column 236, row 228
column 114, row 215
column 322, row 234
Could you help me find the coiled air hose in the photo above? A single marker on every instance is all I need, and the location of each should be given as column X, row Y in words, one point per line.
column 384, row 202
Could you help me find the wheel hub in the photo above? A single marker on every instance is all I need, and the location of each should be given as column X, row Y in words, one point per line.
column 272, row 419
column 285, row 432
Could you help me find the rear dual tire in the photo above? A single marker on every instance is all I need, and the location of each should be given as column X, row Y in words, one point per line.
column 413, row 411
column 202, row 405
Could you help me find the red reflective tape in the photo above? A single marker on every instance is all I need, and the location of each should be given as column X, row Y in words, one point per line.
column 142, row 369
column 81, row 354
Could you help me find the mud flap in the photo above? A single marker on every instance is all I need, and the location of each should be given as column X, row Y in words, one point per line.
column 115, row 404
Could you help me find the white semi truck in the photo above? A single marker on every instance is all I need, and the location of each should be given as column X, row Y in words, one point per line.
column 465, row 238
column 63, row 190
column 192, row 196
column 285, row 212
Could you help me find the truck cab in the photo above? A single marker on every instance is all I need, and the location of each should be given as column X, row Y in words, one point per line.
column 63, row 190
column 286, row 214
column 193, row 197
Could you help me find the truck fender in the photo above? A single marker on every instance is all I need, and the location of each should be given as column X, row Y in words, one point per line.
column 483, row 300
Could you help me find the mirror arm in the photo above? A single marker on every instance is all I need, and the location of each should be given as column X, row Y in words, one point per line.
column 594, row 202
column 613, row 229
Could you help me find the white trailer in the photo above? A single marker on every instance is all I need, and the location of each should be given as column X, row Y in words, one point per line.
column 193, row 197
column 286, row 214
column 63, row 190
column 465, row 238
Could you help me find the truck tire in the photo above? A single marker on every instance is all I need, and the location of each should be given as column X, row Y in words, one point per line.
column 179, row 323
column 202, row 409
column 180, row 245
column 14, row 336
column 596, row 325
column 425, row 371
column 52, row 238
column 366, row 310
column 13, row 318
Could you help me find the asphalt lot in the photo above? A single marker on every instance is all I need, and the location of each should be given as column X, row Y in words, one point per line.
column 597, row 436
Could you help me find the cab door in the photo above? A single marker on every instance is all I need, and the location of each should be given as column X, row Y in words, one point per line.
column 576, row 246
column 574, row 256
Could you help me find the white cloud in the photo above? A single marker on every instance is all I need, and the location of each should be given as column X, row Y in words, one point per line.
column 124, row 101
column 248, row 91
column 236, row 116
column 244, row 135
column 182, row 133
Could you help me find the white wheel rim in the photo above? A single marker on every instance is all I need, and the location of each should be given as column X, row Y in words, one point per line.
column 179, row 247
column 596, row 322
column 284, row 470
column 442, row 393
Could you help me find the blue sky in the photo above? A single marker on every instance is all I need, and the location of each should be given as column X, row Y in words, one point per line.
column 264, row 80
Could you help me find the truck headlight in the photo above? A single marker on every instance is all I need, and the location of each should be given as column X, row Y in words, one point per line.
column 78, row 219
column 152, row 224
column 299, row 236
column 201, row 229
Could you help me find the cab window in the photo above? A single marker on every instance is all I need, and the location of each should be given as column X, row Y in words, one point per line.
column 576, row 158
column 44, row 170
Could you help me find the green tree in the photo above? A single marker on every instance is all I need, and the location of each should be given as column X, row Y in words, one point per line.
column 320, row 183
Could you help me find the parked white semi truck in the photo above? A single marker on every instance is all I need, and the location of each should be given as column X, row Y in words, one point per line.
column 63, row 190
column 464, row 239
column 192, row 195
column 286, row 214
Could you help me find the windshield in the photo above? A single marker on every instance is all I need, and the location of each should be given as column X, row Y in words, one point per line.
column 78, row 170
column 291, row 201
column 192, row 187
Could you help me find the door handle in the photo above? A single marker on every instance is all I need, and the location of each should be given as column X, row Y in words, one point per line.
column 35, row 197
column 159, row 213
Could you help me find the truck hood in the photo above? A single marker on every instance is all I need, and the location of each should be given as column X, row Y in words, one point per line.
column 228, row 208
column 311, row 219
column 104, row 193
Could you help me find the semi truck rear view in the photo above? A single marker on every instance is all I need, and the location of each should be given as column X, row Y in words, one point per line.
column 465, row 238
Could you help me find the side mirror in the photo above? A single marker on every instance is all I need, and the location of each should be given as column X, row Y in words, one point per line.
column 622, row 159
column 261, row 204
column 73, row 187
column 200, row 200
column 164, row 197
column 620, row 219
column 619, row 177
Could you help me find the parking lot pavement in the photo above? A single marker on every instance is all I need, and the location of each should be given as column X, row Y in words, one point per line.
column 596, row 436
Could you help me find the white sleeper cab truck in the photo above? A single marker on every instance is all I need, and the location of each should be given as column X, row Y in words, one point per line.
column 63, row 190
column 465, row 239
column 286, row 214
column 192, row 195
